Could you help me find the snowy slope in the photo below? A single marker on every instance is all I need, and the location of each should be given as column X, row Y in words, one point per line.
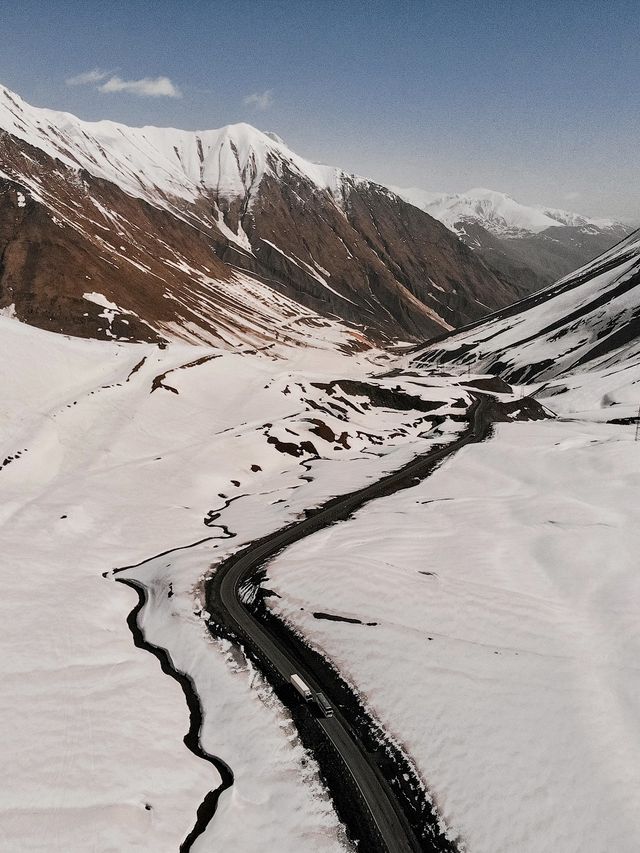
column 514, row 689
column 497, row 635
column 111, row 453
column 590, row 317
column 488, row 616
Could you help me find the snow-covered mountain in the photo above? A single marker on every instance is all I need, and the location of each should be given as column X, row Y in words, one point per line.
column 591, row 317
column 500, row 214
column 534, row 244
column 577, row 220
column 148, row 162
column 220, row 236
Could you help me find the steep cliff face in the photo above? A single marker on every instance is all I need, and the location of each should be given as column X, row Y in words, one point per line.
column 221, row 236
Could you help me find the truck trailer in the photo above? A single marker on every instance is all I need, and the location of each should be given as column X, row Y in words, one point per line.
column 302, row 687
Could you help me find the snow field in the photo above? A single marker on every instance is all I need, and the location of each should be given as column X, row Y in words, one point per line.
column 106, row 472
column 505, row 592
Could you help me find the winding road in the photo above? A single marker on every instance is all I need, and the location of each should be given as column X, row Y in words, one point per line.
column 223, row 595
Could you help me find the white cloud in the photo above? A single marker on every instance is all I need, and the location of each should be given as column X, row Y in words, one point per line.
column 147, row 87
column 571, row 196
column 260, row 101
column 87, row 77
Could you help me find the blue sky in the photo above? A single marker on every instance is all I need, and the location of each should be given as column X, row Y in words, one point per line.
column 538, row 99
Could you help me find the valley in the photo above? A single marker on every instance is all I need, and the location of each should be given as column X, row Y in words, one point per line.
column 263, row 418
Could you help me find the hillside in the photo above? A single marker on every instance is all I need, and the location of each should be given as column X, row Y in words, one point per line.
column 585, row 319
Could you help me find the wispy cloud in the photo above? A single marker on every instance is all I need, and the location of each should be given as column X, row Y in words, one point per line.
column 147, row 87
column 87, row 77
column 259, row 100
column 108, row 82
column 571, row 196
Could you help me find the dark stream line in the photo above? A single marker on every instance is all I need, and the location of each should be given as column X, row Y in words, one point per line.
column 157, row 556
column 208, row 806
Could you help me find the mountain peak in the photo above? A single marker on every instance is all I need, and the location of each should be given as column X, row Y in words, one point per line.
column 485, row 194
column 144, row 160
column 275, row 138
column 497, row 212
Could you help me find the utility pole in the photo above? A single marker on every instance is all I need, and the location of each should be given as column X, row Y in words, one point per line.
column 638, row 425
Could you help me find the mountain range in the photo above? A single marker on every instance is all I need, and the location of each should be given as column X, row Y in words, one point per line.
column 228, row 237
column 532, row 245
column 447, row 527
column 221, row 237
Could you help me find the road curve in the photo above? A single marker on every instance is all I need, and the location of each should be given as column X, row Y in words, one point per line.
column 223, row 599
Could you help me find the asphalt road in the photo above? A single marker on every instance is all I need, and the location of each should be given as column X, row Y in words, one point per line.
column 223, row 593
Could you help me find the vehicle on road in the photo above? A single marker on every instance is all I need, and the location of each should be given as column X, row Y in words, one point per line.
column 324, row 704
column 302, row 687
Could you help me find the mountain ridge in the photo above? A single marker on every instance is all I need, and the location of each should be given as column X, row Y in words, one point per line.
column 189, row 232
column 499, row 212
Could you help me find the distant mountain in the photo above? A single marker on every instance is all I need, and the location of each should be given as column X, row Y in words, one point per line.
column 220, row 236
column 500, row 214
column 532, row 245
column 590, row 318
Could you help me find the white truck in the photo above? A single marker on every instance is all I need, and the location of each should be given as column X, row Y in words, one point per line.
column 302, row 687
